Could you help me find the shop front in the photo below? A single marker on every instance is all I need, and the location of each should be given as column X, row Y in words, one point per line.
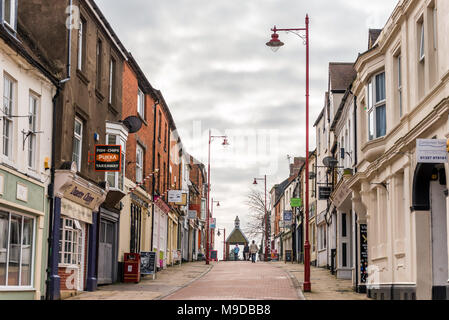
column 23, row 228
column 160, row 232
column 74, row 233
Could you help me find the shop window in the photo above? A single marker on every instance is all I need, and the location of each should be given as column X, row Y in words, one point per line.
column 136, row 220
column 70, row 242
column 16, row 250
column 8, row 111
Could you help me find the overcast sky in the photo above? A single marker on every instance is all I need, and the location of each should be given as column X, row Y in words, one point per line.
column 209, row 59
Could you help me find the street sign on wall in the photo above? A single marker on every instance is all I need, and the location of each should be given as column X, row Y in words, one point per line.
column 431, row 151
column 174, row 196
column 108, row 158
column 324, row 193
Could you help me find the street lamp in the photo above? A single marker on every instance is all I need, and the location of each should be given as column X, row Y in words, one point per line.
column 224, row 241
column 275, row 44
column 224, row 144
column 266, row 215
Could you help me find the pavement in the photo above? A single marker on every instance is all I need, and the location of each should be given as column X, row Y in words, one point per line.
column 241, row 280
column 167, row 281
column 325, row 286
column 230, row 280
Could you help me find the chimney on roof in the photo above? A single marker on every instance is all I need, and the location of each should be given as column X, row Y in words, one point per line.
column 296, row 166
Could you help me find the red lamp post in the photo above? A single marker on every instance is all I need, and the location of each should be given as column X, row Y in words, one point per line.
column 275, row 44
column 266, row 216
column 225, row 143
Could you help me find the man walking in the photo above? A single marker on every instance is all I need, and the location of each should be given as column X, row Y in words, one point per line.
column 253, row 249
column 236, row 252
column 246, row 252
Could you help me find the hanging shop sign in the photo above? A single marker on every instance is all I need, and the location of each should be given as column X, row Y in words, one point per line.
column 296, row 202
column 183, row 202
column 108, row 158
column 174, row 196
column 288, row 214
column 192, row 214
column 363, row 253
column 213, row 223
column 431, row 151
column 324, row 193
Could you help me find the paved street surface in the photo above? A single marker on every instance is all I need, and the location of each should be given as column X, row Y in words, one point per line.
column 241, row 280
column 167, row 281
column 325, row 286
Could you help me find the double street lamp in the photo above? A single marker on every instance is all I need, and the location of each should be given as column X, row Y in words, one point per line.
column 275, row 44
column 224, row 144
column 266, row 216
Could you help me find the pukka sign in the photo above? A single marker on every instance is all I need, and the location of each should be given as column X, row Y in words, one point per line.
column 108, row 158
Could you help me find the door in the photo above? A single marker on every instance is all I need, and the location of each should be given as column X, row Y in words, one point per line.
column 105, row 254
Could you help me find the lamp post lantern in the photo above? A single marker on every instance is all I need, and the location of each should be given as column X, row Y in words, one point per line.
column 275, row 44
column 266, row 216
column 225, row 143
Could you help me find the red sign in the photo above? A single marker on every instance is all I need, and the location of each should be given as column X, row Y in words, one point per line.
column 108, row 158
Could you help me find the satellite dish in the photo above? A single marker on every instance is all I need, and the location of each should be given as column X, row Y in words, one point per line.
column 133, row 124
column 330, row 162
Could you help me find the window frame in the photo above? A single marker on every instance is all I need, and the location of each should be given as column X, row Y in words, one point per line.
column 80, row 137
column 99, row 52
column 79, row 244
column 7, row 287
column 119, row 177
column 33, row 128
column 12, row 14
column 141, row 103
column 373, row 105
column 112, row 80
column 139, row 166
column 422, row 42
column 7, row 117
column 81, row 58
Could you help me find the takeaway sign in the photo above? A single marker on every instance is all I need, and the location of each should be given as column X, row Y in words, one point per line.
column 431, row 151
column 108, row 158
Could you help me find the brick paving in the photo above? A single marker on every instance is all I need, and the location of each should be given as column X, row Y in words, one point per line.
column 325, row 286
column 166, row 282
column 240, row 280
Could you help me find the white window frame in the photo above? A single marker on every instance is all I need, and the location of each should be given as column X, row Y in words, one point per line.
column 8, row 111
column 79, row 137
column 373, row 105
column 435, row 26
column 112, row 72
column 422, row 44
column 81, row 32
column 12, row 14
column 141, row 103
column 33, row 128
column 119, row 177
column 7, row 287
column 77, row 242
column 399, row 78
column 139, row 163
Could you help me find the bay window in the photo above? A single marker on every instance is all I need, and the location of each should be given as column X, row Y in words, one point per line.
column 116, row 179
column 16, row 250
column 377, row 121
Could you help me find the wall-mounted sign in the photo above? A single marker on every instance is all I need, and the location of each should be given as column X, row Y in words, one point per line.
column 174, row 196
column 324, row 193
column 22, row 192
column 183, row 202
column 431, row 151
column 108, row 158
column 82, row 196
column 192, row 214
column 296, row 202
column 288, row 215
column 363, row 253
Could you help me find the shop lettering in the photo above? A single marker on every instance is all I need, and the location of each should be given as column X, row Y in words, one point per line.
column 79, row 194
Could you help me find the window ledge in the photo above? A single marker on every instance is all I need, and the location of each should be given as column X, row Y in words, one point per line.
column 99, row 95
column 142, row 119
column 22, row 289
column 113, row 110
column 372, row 150
column 82, row 76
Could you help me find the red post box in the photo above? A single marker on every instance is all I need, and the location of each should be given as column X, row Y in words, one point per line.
column 132, row 268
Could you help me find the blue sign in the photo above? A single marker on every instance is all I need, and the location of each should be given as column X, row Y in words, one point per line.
column 288, row 215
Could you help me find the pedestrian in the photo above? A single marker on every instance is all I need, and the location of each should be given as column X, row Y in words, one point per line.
column 253, row 249
column 236, row 252
column 246, row 252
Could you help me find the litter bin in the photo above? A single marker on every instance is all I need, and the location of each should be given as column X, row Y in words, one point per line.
column 132, row 268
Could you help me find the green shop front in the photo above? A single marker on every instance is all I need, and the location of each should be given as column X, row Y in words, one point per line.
column 23, row 234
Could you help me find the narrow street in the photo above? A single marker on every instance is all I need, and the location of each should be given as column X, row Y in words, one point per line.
column 241, row 280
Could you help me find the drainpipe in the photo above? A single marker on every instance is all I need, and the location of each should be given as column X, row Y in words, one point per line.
column 52, row 282
column 355, row 134
column 153, row 176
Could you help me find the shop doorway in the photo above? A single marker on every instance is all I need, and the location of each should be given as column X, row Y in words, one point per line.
column 106, row 252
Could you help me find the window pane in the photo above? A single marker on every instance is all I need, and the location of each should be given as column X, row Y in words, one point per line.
column 110, row 177
column 422, row 47
column 110, row 233
column 370, row 95
column 8, row 14
column 15, row 238
column 78, row 127
column 4, row 226
column 380, row 87
column 112, row 139
column 371, row 125
column 27, row 250
column 381, row 126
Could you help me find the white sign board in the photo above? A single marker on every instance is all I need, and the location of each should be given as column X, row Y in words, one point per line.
column 175, row 196
column 431, row 151
column 192, row 214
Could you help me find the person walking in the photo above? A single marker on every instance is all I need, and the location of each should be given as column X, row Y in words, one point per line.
column 246, row 252
column 253, row 249
column 236, row 252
